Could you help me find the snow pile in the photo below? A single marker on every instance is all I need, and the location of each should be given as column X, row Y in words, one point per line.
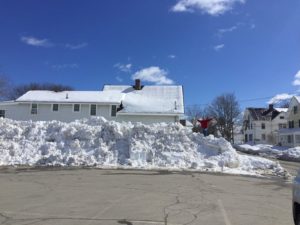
column 101, row 143
column 278, row 152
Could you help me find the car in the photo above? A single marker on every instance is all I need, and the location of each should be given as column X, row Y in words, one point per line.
column 296, row 199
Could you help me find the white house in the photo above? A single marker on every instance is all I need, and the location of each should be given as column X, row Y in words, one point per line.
column 261, row 125
column 291, row 135
column 137, row 103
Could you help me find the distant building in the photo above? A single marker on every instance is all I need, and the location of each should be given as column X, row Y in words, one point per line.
column 137, row 103
column 261, row 125
column 291, row 135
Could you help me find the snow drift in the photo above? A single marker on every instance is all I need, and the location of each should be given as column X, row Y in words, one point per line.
column 271, row 151
column 101, row 143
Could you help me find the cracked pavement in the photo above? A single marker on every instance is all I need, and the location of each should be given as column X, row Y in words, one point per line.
column 94, row 196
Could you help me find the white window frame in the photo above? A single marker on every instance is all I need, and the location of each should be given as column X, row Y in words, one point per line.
column 110, row 111
column 73, row 106
column 57, row 108
column 37, row 109
column 91, row 109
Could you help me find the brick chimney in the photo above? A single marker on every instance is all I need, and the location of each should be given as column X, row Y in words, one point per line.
column 137, row 85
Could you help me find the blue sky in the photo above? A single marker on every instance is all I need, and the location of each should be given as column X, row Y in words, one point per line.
column 249, row 47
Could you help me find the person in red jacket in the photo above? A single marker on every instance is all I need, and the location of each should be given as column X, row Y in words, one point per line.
column 204, row 124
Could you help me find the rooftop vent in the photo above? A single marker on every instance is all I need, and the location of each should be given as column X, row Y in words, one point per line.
column 137, row 85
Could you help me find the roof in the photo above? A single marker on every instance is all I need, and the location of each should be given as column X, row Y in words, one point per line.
column 72, row 97
column 282, row 109
column 297, row 98
column 150, row 99
column 266, row 114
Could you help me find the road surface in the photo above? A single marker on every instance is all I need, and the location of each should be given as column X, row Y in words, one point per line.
column 93, row 196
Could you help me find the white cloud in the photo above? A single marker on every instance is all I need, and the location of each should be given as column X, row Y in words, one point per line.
column 171, row 56
column 280, row 98
column 65, row 66
column 211, row 7
column 126, row 68
column 29, row 40
column 75, row 47
column 296, row 82
column 153, row 74
column 119, row 79
column 219, row 47
column 221, row 32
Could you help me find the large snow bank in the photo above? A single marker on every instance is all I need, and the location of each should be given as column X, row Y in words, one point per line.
column 278, row 152
column 101, row 143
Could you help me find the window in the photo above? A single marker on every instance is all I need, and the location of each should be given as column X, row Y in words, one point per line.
column 263, row 126
column 263, row 137
column 251, row 126
column 113, row 112
column 34, row 109
column 295, row 109
column 291, row 124
column 290, row 139
column 55, row 107
column 250, row 137
column 93, row 110
column 282, row 117
column 282, row 126
column 2, row 113
column 76, row 108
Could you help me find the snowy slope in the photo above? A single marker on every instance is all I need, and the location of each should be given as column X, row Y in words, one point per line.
column 101, row 143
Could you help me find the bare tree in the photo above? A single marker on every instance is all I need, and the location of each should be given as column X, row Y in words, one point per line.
column 194, row 112
column 22, row 89
column 225, row 108
column 5, row 87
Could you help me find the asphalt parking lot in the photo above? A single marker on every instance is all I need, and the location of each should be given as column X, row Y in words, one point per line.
column 93, row 196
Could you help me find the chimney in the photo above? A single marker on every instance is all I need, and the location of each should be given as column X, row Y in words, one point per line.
column 137, row 85
column 67, row 96
column 271, row 107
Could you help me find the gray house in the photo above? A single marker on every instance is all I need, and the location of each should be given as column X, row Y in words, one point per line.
column 137, row 103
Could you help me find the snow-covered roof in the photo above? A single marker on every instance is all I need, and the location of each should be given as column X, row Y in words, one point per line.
column 282, row 109
column 72, row 96
column 297, row 98
column 150, row 99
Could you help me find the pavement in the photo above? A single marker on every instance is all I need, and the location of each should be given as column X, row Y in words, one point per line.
column 109, row 197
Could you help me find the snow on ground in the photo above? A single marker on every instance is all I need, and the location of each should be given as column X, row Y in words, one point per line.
column 279, row 152
column 109, row 144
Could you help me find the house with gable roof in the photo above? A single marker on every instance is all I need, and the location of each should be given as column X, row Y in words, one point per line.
column 136, row 103
column 262, row 125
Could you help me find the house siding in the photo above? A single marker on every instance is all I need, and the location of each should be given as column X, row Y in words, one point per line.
column 65, row 113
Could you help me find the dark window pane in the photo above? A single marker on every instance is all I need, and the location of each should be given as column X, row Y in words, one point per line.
column 34, row 109
column 113, row 111
column 93, row 110
column 55, row 107
column 2, row 113
column 76, row 107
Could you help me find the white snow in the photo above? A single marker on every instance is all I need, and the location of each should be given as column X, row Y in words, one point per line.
column 101, row 143
column 72, row 96
column 150, row 99
column 279, row 152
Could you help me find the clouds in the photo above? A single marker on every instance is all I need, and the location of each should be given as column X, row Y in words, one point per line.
column 280, row 98
column 75, row 47
column 219, row 47
column 296, row 81
column 211, row 7
column 46, row 43
column 154, row 75
column 126, row 68
column 171, row 56
column 64, row 66
column 33, row 41
column 222, row 31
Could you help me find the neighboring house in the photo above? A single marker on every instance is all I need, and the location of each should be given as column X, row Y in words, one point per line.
column 137, row 103
column 261, row 125
column 291, row 136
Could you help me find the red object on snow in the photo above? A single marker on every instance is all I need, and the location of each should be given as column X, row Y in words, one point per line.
column 204, row 123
